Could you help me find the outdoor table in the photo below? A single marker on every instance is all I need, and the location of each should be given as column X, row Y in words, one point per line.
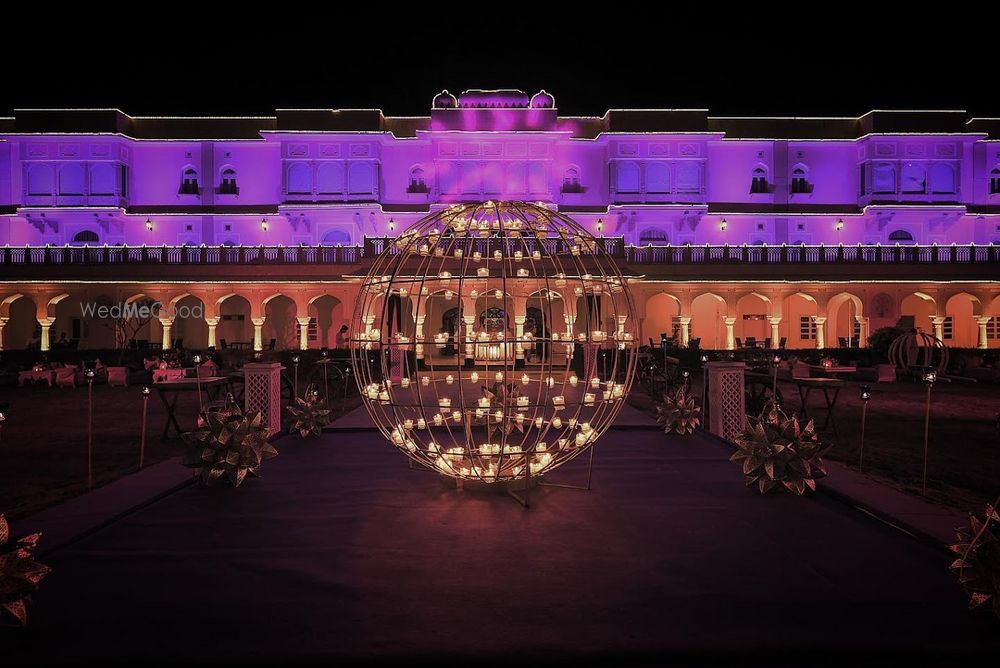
column 828, row 385
column 170, row 390
column 163, row 375
column 48, row 375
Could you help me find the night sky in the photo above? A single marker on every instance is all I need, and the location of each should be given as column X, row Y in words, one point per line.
column 187, row 69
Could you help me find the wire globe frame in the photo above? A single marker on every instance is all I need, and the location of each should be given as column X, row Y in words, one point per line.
column 483, row 413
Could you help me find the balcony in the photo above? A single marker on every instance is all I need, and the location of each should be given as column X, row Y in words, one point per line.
column 680, row 263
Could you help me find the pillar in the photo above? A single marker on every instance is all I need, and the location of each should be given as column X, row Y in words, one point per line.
column 863, row 335
column 419, row 335
column 730, row 334
column 303, row 332
column 820, row 322
column 519, row 321
column 470, row 342
column 775, row 333
column 685, row 330
column 570, row 320
column 167, row 324
column 3, row 323
column 981, row 320
column 258, row 333
column 212, row 324
column 46, row 324
column 938, row 322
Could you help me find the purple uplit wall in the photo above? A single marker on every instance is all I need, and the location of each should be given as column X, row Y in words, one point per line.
column 671, row 176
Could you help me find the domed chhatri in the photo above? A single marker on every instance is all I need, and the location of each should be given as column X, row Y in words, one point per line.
column 494, row 341
column 542, row 100
column 445, row 100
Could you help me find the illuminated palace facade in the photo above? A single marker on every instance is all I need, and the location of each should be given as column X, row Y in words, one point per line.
column 807, row 232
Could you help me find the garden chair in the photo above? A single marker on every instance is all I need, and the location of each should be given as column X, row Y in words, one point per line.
column 118, row 375
column 66, row 377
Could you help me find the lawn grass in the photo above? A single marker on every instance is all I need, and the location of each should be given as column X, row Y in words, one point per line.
column 963, row 467
column 43, row 444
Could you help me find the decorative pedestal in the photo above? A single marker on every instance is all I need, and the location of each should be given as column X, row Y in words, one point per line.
column 262, row 392
column 726, row 399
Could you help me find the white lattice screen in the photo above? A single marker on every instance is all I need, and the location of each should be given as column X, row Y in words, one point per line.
column 727, row 402
column 262, row 392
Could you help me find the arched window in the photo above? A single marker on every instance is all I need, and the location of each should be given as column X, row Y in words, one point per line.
column 418, row 182
column 943, row 178
column 653, row 236
column 688, row 177
column 86, row 237
column 900, row 235
column 627, row 177
column 571, row 181
column 189, row 181
column 914, row 178
column 657, row 178
column 299, row 179
column 995, row 181
column 40, row 180
column 227, row 183
column 800, row 179
column 884, row 178
column 102, row 179
column 334, row 237
column 330, row 178
column 758, row 180
column 360, row 180
column 493, row 178
column 71, row 179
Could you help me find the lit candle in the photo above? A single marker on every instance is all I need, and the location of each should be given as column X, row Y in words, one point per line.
column 525, row 379
column 407, row 424
column 445, row 275
column 558, row 400
column 538, row 423
column 573, row 380
column 383, row 396
column 585, row 427
column 424, row 249
column 421, row 423
column 448, row 294
column 474, row 377
column 499, row 376
column 497, row 255
column 438, row 252
column 444, row 402
column 458, row 253
column 477, row 256
column 456, row 416
column 498, row 416
column 484, row 402
column 449, row 379
column 404, row 383
column 519, row 419
column 522, row 273
column 572, row 423
column 498, row 294
column 606, row 395
column 522, row 401
column 557, row 422
column 518, row 256
column 480, row 413
column 536, row 255
column 482, row 272
column 588, row 399
column 438, row 419
column 550, row 381
column 595, row 382
column 425, row 381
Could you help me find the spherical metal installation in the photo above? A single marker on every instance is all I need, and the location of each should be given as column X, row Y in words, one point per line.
column 494, row 341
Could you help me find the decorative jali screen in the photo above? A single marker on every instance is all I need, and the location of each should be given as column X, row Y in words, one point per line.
column 531, row 368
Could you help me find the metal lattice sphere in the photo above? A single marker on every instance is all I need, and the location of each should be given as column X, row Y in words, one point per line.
column 494, row 340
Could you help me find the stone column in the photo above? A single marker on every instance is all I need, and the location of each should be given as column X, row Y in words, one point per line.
column 938, row 323
column 863, row 334
column 46, row 324
column 167, row 324
column 3, row 323
column 981, row 320
column 212, row 324
column 519, row 321
column 730, row 334
column 775, row 333
column 820, row 322
column 419, row 335
column 470, row 341
column 303, row 332
column 258, row 333
column 685, row 330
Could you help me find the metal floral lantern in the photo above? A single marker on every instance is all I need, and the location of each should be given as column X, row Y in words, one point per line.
column 918, row 349
column 494, row 341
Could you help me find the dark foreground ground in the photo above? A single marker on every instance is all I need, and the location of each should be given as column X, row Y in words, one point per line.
column 340, row 551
